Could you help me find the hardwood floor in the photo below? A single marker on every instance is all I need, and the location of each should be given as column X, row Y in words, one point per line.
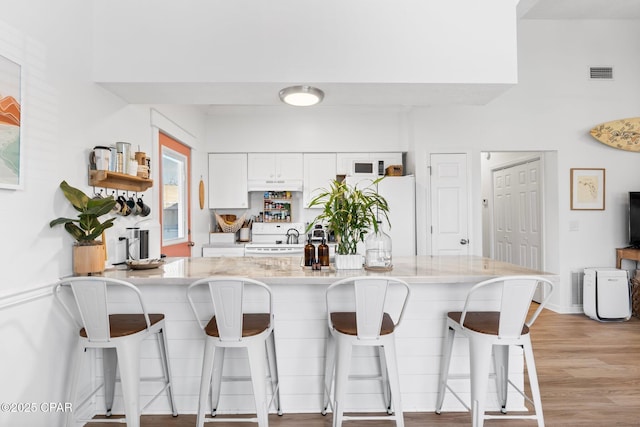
column 589, row 374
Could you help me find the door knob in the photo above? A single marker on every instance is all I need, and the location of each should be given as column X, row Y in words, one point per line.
column 191, row 243
column 464, row 241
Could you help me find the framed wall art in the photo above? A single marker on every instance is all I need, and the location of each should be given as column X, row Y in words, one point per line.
column 10, row 129
column 587, row 189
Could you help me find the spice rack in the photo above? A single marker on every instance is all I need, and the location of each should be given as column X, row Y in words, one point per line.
column 118, row 181
column 277, row 206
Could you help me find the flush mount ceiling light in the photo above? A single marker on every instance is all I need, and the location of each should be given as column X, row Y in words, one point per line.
column 301, row 96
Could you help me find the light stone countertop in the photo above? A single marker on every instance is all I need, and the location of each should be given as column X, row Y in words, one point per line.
column 289, row 270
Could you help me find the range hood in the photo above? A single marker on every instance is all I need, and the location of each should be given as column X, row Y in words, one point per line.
column 274, row 185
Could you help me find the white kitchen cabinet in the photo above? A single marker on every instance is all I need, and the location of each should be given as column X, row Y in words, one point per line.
column 344, row 161
column 276, row 167
column 319, row 171
column 228, row 181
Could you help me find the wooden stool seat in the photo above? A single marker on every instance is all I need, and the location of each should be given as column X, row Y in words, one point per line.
column 345, row 322
column 484, row 322
column 121, row 325
column 252, row 325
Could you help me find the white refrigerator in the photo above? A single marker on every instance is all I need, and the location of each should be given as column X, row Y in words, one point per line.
column 400, row 194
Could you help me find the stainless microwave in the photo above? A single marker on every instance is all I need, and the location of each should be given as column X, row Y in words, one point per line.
column 367, row 168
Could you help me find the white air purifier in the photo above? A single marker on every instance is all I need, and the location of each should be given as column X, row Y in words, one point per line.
column 606, row 294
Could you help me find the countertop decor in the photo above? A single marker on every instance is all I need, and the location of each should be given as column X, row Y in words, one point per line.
column 350, row 212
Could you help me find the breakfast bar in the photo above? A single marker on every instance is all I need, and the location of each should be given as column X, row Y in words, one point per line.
column 438, row 284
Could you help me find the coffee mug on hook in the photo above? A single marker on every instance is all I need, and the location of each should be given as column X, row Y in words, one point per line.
column 124, row 206
column 144, row 210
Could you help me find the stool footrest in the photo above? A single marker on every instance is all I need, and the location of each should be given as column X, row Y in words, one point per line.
column 510, row 417
column 231, row 420
column 368, row 417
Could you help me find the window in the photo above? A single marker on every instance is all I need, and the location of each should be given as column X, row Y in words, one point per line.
column 174, row 196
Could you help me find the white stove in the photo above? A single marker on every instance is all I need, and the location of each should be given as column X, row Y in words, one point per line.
column 270, row 239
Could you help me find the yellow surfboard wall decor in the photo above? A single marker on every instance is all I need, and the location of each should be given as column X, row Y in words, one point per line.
column 622, row 134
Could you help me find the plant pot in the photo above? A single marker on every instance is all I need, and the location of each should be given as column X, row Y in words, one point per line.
column 348, row 262
column 88, row 259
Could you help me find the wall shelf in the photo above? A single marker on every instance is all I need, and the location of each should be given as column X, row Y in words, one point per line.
column 277, row 209
column 118, row 181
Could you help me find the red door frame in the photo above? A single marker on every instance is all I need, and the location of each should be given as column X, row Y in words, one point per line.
column 182, row 249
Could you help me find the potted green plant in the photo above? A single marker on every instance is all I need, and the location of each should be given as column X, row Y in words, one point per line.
column 88, row 251
column 350, row 212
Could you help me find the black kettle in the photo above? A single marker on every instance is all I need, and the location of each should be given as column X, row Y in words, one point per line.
column 292, row 236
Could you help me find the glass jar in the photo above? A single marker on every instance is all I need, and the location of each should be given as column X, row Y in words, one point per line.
column 378, row 251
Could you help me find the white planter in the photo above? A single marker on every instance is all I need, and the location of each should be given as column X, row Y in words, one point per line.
column 348, row 262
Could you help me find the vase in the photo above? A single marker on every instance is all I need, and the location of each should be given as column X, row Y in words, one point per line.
column 378, row 251
column 348, row 262
column 88, row 259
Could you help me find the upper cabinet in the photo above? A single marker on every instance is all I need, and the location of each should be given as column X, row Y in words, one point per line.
column 228, row 181
column 273, row 171
column 319, row 171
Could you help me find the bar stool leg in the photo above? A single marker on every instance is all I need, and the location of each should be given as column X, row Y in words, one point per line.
column 447, row 348
column 163, row 347
column 329, row 366
column 129, row 362
column 389, row 350
column 257, row 358
column 76, row 367
column 216, row 378
column 109, row 366
column 501, row 367
column 533, row 380
column 343, row 353
column 386, row 387
column 480, row 357
column 273, row 371
column 205, row 379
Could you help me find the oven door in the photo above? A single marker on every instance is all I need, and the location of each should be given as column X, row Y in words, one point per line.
column 260, row 250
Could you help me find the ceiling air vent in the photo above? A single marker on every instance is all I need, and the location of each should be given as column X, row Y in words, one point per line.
column 601, row 73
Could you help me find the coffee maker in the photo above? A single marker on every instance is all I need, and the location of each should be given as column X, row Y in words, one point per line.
column 136, row 243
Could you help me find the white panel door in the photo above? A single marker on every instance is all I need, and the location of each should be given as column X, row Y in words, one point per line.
column 517, row 215
column 449, row 205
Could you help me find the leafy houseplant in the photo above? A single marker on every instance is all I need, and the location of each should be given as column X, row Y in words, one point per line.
column 86, row 228
column 350, row 212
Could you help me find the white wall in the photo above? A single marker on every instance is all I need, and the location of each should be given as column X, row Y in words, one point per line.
column 552, row 109
column 313, row 41
column 316, row 129
column 64, row 115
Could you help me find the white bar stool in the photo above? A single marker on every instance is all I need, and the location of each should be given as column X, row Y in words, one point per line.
column 362, row 320
column 233, row 325
column 497, row 331
column 119, row 336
